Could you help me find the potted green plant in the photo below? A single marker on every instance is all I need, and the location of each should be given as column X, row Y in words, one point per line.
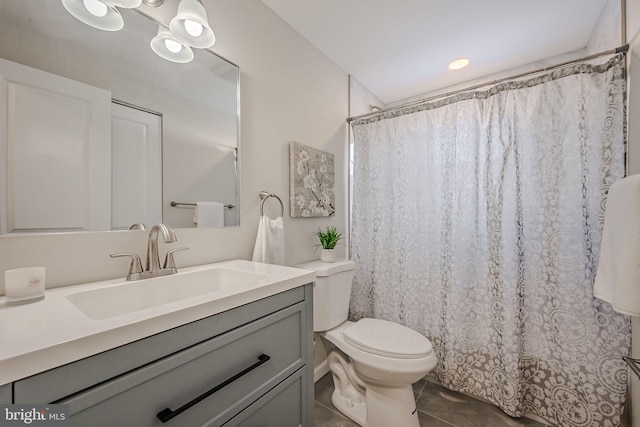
column 329, row 237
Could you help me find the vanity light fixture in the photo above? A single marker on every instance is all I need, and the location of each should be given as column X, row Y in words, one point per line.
column 190, row 25
column 125, row 4
column 459, row 63
column 189, row 28
column 96, row 13
column 165, row 45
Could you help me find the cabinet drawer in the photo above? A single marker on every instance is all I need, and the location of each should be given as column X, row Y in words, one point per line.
column 136, row 398
column 5, row 394
column 282, row 406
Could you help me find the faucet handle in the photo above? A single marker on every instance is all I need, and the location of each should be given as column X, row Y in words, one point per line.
column 169, row 262
column 136, row 265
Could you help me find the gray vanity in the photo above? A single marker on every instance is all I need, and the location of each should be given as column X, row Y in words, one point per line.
column 5, row 394
column 248, row 365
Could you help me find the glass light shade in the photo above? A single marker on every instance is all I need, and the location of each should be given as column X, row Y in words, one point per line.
column 111, row 21
column 159, row 46
column 125, row 4
column 192, row 10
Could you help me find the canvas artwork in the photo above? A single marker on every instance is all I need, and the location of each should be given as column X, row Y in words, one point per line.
column 311, row 181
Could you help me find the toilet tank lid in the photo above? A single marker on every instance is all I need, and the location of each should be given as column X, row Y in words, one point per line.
column 323, row 269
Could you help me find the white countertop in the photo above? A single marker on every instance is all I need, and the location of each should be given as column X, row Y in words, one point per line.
column 42, row 335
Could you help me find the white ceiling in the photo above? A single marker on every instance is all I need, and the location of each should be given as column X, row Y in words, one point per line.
column 401, row 48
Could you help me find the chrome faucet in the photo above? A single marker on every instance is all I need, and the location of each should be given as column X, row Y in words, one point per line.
column 153, row 268
column 153, row 258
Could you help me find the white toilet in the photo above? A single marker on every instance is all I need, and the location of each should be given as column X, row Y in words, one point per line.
column 373, row 362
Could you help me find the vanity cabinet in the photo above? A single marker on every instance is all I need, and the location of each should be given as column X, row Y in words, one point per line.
column 5, row 394
column 248, row 366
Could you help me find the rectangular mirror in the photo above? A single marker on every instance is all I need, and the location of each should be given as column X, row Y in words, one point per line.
column 99, row 133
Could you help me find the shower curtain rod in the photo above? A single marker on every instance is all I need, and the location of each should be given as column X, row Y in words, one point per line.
column 621, row 49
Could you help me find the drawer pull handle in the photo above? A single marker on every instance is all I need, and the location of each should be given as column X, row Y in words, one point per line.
column 167, row 414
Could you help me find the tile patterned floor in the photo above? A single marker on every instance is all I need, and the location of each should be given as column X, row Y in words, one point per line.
column 437, row 407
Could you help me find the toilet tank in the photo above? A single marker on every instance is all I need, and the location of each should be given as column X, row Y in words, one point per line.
column 331, row 292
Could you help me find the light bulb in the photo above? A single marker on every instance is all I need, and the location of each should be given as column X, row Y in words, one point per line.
column 95, row 7
column 172, row 45
column 458, row 63
column 192, row 27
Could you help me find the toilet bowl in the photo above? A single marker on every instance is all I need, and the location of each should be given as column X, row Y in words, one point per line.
column 373, row 362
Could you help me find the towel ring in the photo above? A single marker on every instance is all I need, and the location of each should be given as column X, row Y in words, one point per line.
column 264, row 195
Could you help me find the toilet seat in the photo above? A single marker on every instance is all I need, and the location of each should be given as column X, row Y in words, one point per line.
column 388, row 339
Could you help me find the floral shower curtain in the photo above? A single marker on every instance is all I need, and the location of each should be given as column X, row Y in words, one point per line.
column 477, row 222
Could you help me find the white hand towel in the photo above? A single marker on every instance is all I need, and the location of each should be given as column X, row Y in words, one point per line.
column 270, row 241
column 209, row 214
column 618, row 276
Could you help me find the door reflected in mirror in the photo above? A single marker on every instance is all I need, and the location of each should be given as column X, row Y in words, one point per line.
column 156, row 132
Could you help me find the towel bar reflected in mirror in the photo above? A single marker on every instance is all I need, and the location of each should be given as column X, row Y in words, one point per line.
column 174, row 204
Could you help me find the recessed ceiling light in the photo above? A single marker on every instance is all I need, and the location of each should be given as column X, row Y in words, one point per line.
column 457, row 64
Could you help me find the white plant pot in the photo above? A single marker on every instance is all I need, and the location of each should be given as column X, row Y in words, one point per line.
column 328, row 255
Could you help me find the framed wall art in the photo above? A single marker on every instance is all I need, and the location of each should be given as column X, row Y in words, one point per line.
column 311, row 181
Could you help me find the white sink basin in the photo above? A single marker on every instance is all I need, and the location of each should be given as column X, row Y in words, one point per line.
column 133, row 296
